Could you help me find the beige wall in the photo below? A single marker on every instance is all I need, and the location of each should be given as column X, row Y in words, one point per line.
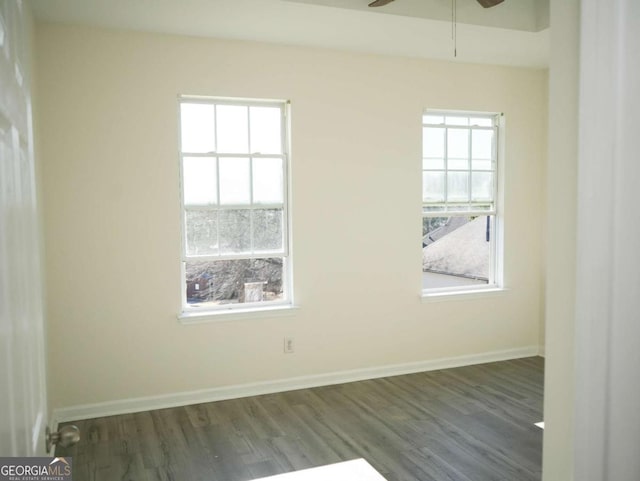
column 108, row 126
column 560, row 313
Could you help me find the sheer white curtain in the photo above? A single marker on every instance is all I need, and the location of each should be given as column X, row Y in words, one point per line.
column 607, row 415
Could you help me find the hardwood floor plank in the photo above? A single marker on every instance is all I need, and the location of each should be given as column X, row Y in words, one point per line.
column 198, row 415
column 434, row 467
column 150, row 446
column 472, row 423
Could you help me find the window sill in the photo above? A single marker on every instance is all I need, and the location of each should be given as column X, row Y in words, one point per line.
column 462, row 295
column 200, row 317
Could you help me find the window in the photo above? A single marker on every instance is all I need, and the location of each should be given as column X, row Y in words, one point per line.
column 234, row 204
column 459, row 196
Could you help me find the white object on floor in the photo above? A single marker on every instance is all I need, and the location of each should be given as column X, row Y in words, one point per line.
column 540, row 425
column 356, row 470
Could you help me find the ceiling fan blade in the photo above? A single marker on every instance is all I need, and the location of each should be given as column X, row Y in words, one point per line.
column 489, row 3
column 380, row 3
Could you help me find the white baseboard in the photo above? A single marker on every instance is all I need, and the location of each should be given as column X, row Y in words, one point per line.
column 133, row 405
column 541, row 351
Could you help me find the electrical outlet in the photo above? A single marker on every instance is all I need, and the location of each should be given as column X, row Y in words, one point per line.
column 288, row 345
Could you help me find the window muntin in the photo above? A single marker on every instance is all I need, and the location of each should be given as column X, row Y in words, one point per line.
column 459, row 195
column 234, row 203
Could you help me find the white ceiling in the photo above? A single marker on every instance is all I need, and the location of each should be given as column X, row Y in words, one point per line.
column 509, row 38
column 527, row 15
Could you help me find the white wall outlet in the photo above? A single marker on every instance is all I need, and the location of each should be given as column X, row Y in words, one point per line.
column 288, row 345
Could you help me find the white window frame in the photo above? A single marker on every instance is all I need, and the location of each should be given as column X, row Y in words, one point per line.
column 452, row 209
column 192, row 313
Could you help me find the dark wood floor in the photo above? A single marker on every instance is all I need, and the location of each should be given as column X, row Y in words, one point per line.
column 466, row 424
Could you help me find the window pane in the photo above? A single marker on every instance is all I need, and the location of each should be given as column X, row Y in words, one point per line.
column 235, row 231
column 456, row 251
column 458, row 143
column 431, row 225
column 481, row 145
column 482, row 164
column 233, row 281
column 432, row 119
column 456, row 120
column 197, row 125
column 433, row 164
column 268, row 181
column 232, row 129
column 432, row 186
column 234, row 181
column 267, row 230
column 482, row 186
column 202, row 232
column 433, row 142
column 457, row 164
column 200, row 183
column 266, row 126
column 457, row 186
column 482, row 121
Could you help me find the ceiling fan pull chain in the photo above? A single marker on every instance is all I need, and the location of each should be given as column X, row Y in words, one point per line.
column 454, row 26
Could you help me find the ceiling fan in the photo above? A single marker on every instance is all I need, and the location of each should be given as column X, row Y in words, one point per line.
column 484, row 3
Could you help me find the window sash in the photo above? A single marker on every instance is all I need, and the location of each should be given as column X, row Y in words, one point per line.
column 190, row 99
column 470, row 205
column 251, row 205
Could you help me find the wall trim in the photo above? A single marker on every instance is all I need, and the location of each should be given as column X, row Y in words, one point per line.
column 133, row 405
column 541, row 351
